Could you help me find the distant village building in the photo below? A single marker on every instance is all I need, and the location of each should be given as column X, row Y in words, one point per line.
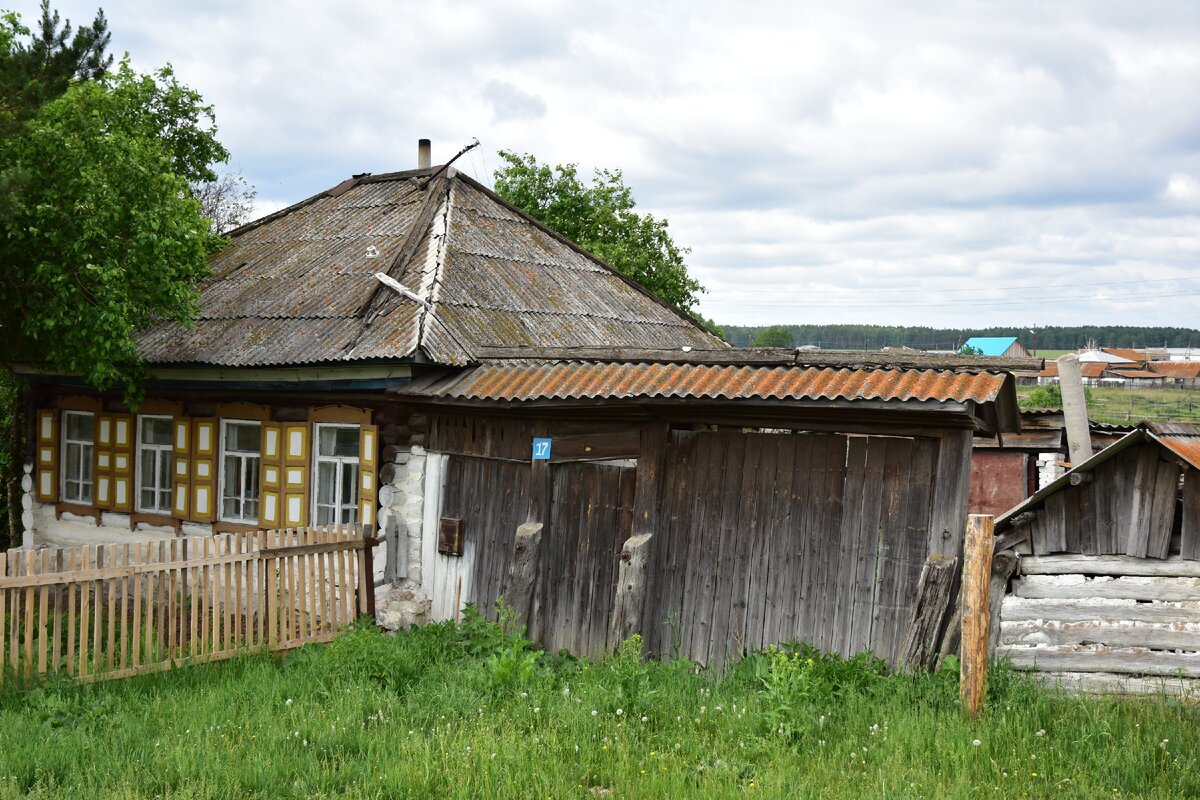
column 1006, row 346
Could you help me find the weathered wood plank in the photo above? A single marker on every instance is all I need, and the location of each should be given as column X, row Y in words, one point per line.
column 791, row 586
column 870, row 535
column 1004, row 564
column 767, row 607
column 976, row 612
column 918, row 652
column 1115, row 684
column 714, row 562
column 1110, row 634
column 1138, row 514
column 1069, row 658
column 948, row 520
column 1052, row 523
column 849, row 544
column 631, row 589
column 1189, row 543
column 1173, row 566
column 1063, row 587
column 523, row 569
column 893, row 519
column 1162, row 512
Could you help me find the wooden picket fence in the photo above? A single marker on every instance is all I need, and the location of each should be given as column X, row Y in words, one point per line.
column 110, row 611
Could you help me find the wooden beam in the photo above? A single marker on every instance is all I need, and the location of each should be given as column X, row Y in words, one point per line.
column 976, row 612
column 522, row 576
column 1173, row 567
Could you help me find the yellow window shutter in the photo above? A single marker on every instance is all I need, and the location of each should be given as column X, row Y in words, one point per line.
column 122, row 440
column 204, row 469
column 368, row 468
column 102, row 461
column 270, row 476
column 47, row 458
column 181, row 473
column 296, row 460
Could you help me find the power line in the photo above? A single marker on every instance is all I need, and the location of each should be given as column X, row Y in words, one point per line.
column 1039, row 287
column 958, row 304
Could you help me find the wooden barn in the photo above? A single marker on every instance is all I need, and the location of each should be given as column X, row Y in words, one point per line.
column 1107, row 593
column 714, row 501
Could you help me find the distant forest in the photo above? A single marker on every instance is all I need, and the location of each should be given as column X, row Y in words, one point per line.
column 873, row 337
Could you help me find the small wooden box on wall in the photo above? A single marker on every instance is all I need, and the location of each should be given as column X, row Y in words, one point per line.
column 450, row 536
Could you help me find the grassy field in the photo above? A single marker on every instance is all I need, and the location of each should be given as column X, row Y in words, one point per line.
column 1131, row 406
column 467, row 711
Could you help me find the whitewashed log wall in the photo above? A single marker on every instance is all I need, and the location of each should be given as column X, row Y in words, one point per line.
column 1106, row 623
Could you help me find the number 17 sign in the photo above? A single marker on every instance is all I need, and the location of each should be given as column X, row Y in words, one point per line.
column 541, row 449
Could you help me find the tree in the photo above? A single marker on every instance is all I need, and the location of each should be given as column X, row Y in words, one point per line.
column 969, row 350
column 600, row 217
column 228, row 201
column 102, row 236
column 774, row 336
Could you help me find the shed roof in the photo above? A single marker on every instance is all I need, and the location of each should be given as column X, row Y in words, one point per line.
column 1176, row 369
column 991, row 345
column 1181, row 439
column 632, row 379
column 299, row 286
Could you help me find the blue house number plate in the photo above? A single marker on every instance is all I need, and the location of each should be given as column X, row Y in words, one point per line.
column 541, row 449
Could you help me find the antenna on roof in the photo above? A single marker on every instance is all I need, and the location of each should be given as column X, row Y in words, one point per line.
column 474, row 143
column 392, row 283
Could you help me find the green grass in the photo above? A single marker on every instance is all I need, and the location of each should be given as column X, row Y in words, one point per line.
column 466, row 711
column 1130, row 406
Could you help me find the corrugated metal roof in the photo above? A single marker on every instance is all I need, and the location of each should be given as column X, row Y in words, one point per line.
column 1176, row 369
column 299, row 286
column 590, row 380
column 1138, row 374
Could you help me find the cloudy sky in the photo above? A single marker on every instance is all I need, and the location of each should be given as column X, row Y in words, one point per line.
column 967, row 164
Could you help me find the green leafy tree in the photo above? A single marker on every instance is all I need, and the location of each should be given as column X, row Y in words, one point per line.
column 100, row 231
column 969, row 350
column 774, row 336
column 600, row 217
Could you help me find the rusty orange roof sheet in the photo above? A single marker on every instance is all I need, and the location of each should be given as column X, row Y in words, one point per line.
column 591, row 380
column 1176, row 369
column 1181, row 438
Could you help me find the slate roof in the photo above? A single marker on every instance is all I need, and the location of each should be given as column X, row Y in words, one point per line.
column 299, row 286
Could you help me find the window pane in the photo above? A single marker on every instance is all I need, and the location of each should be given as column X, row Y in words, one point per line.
column 324, row 515
column 156, row 430
column 338, row 441
column 146, row 477
column 250, row 481
column 230, row 484
column 348, row 496
column 80, row 427
column 85, row 467
column 243, row 437
column 164, row 470
column 326, row 483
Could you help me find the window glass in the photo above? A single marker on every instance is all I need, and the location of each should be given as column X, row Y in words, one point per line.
column 241, row 442
column 154, row 464
column 338, row 441
column 77, row 449
column 156, row 430
column 80, row 427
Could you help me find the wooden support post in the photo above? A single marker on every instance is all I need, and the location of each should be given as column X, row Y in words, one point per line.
column 647, row 497
column 935, row 592
column 366, row 573
column 522, row 576
column 630, row 604
column 976, row 608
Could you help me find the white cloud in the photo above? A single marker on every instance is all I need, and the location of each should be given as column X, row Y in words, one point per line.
column 830, row 162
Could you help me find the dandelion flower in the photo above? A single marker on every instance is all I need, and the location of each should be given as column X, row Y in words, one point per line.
column 619, row 712
column 1041, row 732
column 645, row 719
column 288, row 702
column 594, row 712
column 976, row 743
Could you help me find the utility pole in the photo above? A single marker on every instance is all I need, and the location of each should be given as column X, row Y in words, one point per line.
column 1070, row 382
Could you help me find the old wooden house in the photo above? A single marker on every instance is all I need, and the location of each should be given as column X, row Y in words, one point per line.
column 1107, row 593
column 517, row 420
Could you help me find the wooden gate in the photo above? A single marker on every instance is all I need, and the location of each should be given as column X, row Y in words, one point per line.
column 590, row 516
column 773, row 537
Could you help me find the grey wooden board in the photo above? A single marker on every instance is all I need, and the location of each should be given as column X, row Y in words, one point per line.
column 1189, row 543
column 1071, row 564
column 1162, row 514
column 1065, row 587
column 1069, row 658
column 1109, row 683
column 1018, row 609
column 1155, row 637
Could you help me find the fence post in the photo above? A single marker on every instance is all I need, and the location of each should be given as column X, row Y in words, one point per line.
column 366, row 573
column 976, row 612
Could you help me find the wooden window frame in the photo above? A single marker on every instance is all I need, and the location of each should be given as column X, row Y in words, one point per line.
column 64, row 444
column 166, row 451
column 242, row 456
column 317, row 458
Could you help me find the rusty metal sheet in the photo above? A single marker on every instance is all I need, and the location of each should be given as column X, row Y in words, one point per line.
column 624, row 380
column 999, row 481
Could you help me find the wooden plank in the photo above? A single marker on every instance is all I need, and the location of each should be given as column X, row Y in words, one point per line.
column 1137, row 518
column 771, row 509
column 56, row 636
column 1064, row 587
column 931, row 605
column 1108, row 683
column 5, row 639
column 1071, row 658
column 136, row 596
column 72, row 590
column 1173, row 566
column 43, row 617
column 729, row 617
column 870, row 535
column 849, row 544
column 715, row 555
column 806, row 490
column 828, row 538
column 596, row 446
column 948, row 519
column 910, row 553
column 85, row 612
column 1053, row 525
column 1109, row 634
column 893, row 520
column 1019, row 609
column 1189, row 543
column 1162, row 512
column 1085, row 519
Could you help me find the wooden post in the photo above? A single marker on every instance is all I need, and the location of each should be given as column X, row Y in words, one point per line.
column 366, row 573
column 1004, row 564
column 522, row 576
column 976, row 611
column 935, row 592
column 631, row 590
column 647, row 494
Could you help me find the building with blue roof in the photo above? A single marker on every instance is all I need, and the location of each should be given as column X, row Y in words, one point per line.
column 997, row 346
